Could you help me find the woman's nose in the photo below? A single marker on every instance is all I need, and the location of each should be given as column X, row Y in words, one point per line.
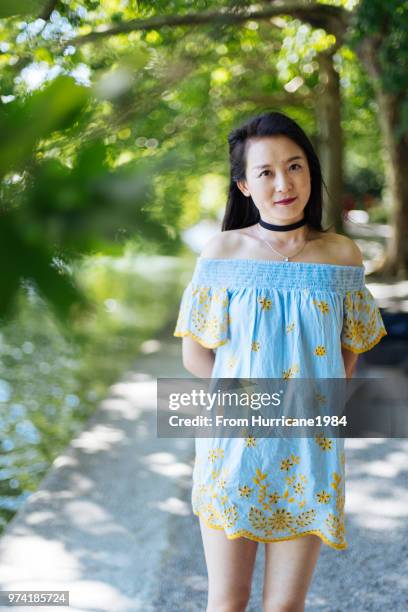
column 282, row 181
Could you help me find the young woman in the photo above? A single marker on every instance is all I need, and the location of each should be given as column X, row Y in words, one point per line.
column 273, row 296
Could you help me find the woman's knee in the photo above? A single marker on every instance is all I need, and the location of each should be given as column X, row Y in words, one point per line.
column 274, row 604
column 235, row 601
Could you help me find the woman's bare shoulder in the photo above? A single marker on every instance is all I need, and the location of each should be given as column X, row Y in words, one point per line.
column 343, row 250
column 222, row 245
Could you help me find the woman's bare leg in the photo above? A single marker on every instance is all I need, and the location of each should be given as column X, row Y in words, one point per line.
column 289, row 567
column 230, row 565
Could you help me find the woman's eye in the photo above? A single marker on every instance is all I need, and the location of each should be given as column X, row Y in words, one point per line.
column 291, row 166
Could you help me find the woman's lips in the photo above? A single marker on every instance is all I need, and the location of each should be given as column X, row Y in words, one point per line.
column 288, row 201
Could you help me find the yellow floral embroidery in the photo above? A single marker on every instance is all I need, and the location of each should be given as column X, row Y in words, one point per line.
column 280, row 520
column 290, row 327
column 305, row 518
column 299, row 488
column 212, row 512
column 322, row 306
column 290, row 372
column 362, row 324
column 354, row 330
column 273, row 498
column 286, row 496
column 289, row 462
column 257, row 518
column 372, row 324
column 203, row 294
column 245, row 491
column 204, row 315
column 320, row 350
column 286, row 464
column 259, row 476
column 270, row 520
column 321, row 399
column 335, row 526
column 336, row 481
column 255, row 346
column 324, row 443
column 262, row 492
column 340, row 502
column 212, row 455
column 229, row 516
column 323, row 497
column 250, row 441
column 265, row 303
column 215, row 453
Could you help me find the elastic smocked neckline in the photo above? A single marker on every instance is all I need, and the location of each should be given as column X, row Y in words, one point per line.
column 265, row 273
column 273, row 261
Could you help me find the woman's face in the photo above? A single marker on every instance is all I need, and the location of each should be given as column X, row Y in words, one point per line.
column 272, row 175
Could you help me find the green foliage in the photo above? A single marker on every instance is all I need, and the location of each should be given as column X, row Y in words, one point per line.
column 50, row 383
column 386, row 24
column 379, row 214
column 67, row 208
column 24, row 123
column 119, row 158
column 365, row 181
column 10, row 8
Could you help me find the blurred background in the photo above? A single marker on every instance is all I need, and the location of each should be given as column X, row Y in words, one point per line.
column 114, row 171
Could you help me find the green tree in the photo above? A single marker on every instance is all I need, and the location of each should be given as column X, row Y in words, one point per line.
column 165, row 83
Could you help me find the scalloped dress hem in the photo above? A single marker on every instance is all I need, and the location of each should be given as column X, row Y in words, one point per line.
column 183, row 334
column 367, row 347
column 242, row 533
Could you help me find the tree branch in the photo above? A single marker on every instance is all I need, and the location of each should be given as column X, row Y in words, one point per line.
column 47, row 10
column 276, row 99
column 333, row 19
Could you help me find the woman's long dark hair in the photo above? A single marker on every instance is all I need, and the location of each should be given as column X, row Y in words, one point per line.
column 240, row 210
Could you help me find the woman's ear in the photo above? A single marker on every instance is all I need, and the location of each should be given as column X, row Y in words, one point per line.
column 243, row 188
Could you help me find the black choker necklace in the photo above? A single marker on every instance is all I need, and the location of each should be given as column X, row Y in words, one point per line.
column 282, row 228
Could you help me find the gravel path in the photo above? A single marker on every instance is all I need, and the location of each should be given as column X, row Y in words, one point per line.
column 112, row 520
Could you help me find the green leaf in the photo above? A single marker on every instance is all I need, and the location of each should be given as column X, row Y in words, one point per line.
column 8, row 8
column 22, row 125
column 23, row 259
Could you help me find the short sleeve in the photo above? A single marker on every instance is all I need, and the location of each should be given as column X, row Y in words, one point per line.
column 204, row 315
column 363, row 326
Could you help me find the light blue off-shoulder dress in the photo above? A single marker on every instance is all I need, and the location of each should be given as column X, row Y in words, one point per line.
column 273, row 319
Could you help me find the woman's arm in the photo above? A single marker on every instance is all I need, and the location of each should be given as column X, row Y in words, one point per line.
column 347, row 253
column 350, row 361
column 197, row 359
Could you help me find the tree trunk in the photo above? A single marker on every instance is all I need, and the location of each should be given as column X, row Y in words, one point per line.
column 395, row 159
column 396, row 164
column 328, row 113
